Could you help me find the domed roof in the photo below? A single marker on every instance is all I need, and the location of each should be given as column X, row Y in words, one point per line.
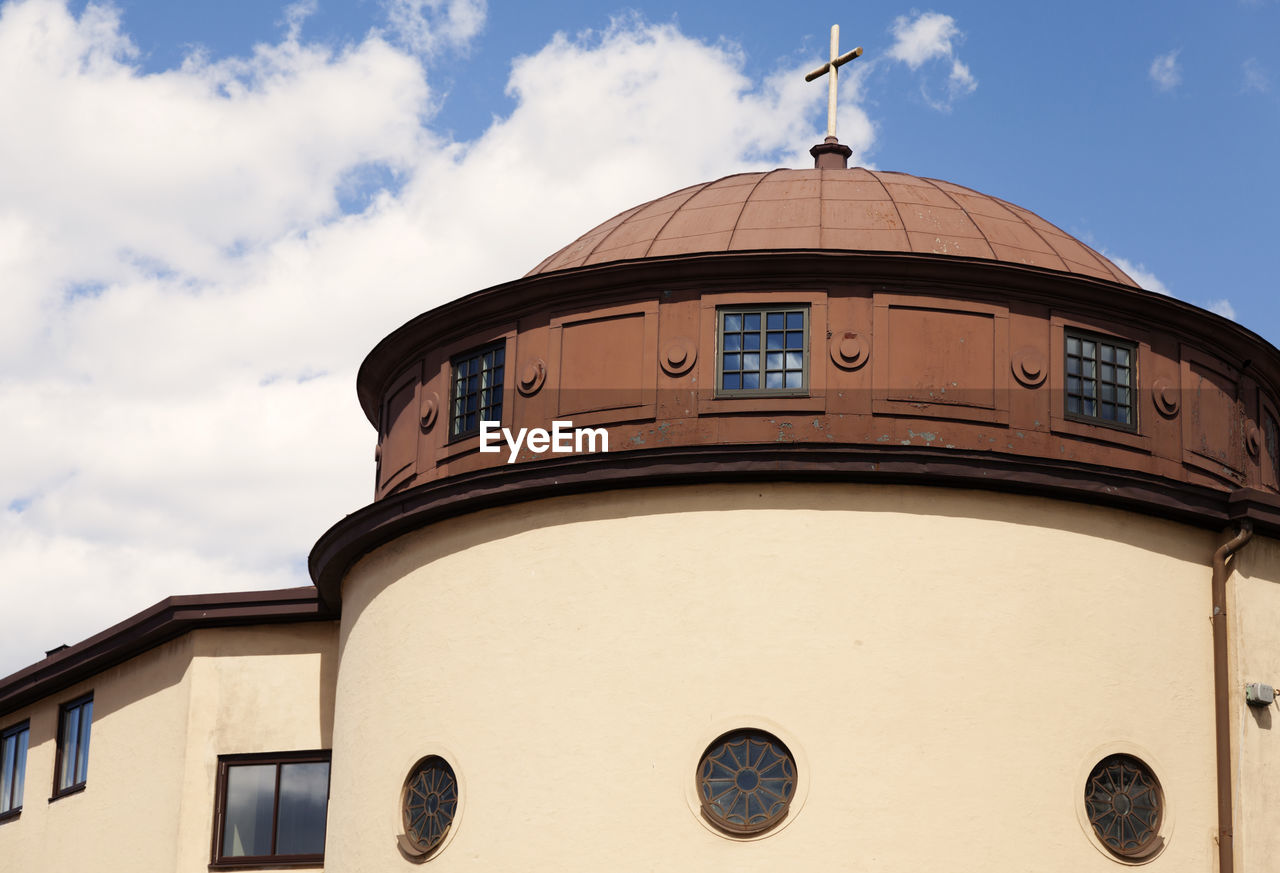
column 854, row 209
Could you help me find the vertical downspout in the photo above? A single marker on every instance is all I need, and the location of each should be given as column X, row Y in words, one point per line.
column 1222, row 693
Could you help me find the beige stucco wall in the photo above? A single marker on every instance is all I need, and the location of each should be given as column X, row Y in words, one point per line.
column 160, row 720
column 947, row 666
column 1254, row 610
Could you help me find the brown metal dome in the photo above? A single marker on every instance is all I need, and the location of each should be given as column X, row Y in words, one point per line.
column 855, row 209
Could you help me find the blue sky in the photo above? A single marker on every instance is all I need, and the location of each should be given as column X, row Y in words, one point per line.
column 209, row 212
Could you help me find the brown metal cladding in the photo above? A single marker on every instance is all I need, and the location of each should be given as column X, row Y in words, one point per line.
column 855, row 209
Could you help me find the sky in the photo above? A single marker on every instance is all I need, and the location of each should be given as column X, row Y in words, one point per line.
column 210, row 212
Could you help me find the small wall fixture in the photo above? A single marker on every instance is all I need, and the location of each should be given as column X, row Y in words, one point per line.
column 1259, row 694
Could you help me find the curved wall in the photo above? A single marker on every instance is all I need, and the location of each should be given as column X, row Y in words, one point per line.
column 936, row 353
column 946, row 665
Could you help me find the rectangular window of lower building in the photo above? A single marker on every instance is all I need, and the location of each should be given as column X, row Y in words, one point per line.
column 1100, row 379
column 271, row 808
column 476, row 393
column 71, row 768
column 762, row 350
column 13, row 767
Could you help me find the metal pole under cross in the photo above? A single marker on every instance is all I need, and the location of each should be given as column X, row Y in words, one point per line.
column 837, row 61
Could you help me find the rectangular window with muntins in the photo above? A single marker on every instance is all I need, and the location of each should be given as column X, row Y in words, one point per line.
column 13, row 767
column 71, row 768
column 270, row 809
column 1100, row 380
column 762, row 350
column 476, row 393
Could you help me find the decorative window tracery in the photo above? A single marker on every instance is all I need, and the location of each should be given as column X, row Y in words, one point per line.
column 746, row 781
column 1125, row 806
column 429, row 805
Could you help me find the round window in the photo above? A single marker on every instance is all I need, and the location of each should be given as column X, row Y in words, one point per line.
column 428, row 804
column 746, row 780
column 1125, row 806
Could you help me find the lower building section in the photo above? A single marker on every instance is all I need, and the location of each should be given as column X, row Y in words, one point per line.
column 782, row 676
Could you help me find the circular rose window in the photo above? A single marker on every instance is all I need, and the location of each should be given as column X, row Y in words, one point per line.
column 1125, row 806
column 746, row 780
column 428, row 805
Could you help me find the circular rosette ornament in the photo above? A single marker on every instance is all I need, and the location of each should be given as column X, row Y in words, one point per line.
column 746, row 781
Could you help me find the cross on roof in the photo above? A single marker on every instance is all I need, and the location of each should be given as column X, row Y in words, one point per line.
column 837, row 61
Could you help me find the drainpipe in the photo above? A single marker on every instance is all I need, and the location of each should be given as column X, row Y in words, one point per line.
column 1222, row 694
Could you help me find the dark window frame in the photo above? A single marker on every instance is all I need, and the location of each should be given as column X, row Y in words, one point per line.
column 495, row 392
column 1099, row 340
column 225, row 763
column 84, row 733
column 763, row 311
column 15, row 730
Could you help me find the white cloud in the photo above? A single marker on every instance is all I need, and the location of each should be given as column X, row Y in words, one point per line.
column 1140, row 274
column 1165, row 70
column 1223, row 307
column 185, row 304
column 1148, row 280
column 1255, row 78
column 427, row 26
column 933, row 36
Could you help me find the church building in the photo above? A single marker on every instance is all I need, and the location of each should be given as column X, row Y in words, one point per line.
column 811, row 519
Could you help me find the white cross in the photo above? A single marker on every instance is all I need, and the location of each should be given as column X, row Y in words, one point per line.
column 837, row 61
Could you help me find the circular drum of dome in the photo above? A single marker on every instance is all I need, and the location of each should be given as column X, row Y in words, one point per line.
column 428, row 805
column 746, row 781
column 1125, row 805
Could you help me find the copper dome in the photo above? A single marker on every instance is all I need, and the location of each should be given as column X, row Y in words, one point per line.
column 855, row 209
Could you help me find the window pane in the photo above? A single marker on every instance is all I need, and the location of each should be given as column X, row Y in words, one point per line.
column 795, row 321
column 732, row 322
column 304, row 795
column 7, row 766
column 773, row 380
column 753, row 342
column 82, row 760
column 20, row 772
column 732, row 342
column 751, row 362
column 751, row 321
column 776, row 321
column 774, row 340
column 750, row 380
column 70, row 736
column 793, row 380
column 732, row 381
column 795, row 339
column 251, row 791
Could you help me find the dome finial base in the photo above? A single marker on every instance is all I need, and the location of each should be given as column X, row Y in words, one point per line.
column 830, row 155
